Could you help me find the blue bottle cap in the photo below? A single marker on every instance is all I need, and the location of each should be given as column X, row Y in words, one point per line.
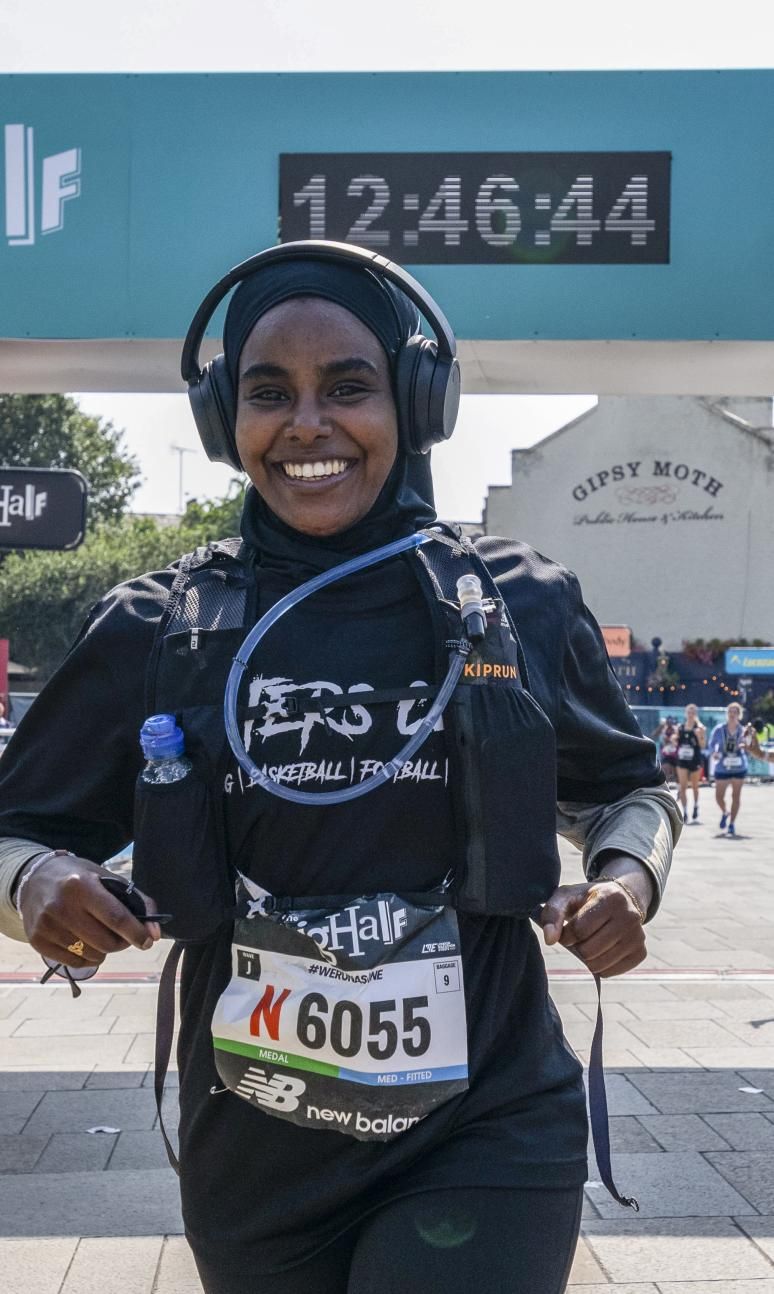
column 161, row 738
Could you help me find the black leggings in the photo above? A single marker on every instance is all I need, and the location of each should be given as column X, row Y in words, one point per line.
column 459, row 1241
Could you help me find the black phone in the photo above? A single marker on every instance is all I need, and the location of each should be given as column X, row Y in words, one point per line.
column 127, row 893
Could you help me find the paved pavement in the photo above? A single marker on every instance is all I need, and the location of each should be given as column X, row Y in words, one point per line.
column 690, row 1054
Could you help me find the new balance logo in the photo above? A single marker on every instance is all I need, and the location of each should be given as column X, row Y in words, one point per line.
column 60, row 181
column 278, row 1092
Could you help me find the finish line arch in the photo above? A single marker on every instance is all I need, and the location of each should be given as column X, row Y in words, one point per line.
column 606, row 232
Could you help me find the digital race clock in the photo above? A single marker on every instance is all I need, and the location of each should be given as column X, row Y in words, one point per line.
column 479, row 208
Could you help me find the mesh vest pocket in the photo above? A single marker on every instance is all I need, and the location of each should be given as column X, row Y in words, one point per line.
column 508, row 765
column 179, row 849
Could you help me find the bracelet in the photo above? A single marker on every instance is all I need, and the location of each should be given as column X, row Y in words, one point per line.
column 39, row 861
column 617, row 881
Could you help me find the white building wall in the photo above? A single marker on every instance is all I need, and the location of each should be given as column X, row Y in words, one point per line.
column 663, row 507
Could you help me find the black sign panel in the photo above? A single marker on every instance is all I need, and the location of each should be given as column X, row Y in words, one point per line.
column 41, row 508
column 483, row 208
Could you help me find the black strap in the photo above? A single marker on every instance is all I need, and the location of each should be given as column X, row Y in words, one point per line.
column 600, row 1122
column 165, row 1028
column 293, row 705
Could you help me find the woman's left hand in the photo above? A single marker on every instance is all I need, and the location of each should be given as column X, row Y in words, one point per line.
column 600, row 923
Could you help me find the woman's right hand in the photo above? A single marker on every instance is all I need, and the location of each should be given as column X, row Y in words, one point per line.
column 64, row 902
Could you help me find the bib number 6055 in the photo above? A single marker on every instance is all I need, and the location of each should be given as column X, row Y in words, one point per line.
column 344, row 1031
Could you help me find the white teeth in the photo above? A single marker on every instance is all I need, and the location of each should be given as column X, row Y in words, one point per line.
column 308, row 471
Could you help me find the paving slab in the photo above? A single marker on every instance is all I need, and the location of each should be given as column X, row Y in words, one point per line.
column 763, row 1078
column 747, row 1009
column 717, row 1287
column 613, row 1011
column 77, row 1111
column 683, row 1132
column 682, row 1033
column 76, row 1152
column 730, row 1058
column 761, row 1230
column 172, row 1079
column 675, row 1249
column 720, row 992
column 43, row 1027
column 744, row 1131
column 627, row 1134
column 669, row 1058
column 60, row 1005
column 111, row 1266
column 758, row 1032
column 751, row 1172
column 35, row 1266
column 142, row 1048
column 112, row 1077
column 585, row 1268
column 143, row 1150
column 15, row 1110
column 41, row 1078
column 615, row 1289
column 131, row 1203
column 692, row 1008
column 694, row 1092
column 20, row 1153
column 177, row 1270
column 623, row 1096
column 69, row 1052
column 676, row 1184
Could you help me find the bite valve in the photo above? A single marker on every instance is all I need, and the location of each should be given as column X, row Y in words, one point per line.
column 471, row 598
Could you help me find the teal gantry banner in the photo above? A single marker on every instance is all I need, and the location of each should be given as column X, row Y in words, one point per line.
column 612, row 205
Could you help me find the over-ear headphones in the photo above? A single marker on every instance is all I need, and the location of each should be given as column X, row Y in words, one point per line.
column 426, row 374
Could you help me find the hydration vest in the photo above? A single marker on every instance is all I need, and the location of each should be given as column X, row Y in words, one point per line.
column 500, row 743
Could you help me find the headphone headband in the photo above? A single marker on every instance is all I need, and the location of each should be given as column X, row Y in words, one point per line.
column 313, row 249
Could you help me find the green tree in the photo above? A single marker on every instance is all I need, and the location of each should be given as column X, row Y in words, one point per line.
column 214, row 518
column 51, row 431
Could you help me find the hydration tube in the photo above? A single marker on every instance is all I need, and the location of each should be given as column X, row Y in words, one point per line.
column 264, row 625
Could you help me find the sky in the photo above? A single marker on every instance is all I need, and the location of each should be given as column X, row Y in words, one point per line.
column 302, row 35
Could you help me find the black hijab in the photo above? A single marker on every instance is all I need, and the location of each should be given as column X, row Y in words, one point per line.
column 405, row 502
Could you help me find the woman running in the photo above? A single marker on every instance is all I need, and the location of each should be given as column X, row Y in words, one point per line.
column 731, row 741
column 375, row 1091
column 691, row 739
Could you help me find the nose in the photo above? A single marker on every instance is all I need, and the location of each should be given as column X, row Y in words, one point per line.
column 308, row 421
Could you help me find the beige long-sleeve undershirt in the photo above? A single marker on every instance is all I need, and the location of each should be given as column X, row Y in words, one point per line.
column 645, row 825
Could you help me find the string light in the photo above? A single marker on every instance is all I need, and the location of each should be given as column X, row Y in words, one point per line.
column 683, row 687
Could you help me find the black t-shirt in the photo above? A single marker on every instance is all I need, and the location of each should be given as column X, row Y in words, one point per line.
column 258, row 1189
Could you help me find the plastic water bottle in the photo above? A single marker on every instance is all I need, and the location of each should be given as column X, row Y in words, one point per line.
column 163, row 744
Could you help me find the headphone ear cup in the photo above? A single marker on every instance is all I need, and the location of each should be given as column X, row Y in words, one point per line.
column 428, row 394
column 405, row 374
column 212, row 405
column 444, row 399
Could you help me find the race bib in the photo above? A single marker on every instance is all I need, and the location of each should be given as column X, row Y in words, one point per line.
column 685, row 752
column 667, row 752
column 732, row 762
column 348, row 1017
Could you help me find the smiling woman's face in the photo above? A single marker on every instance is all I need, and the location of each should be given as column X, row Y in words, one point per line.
column 316, row 424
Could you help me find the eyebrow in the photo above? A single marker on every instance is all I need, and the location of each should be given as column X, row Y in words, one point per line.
column 337, row 367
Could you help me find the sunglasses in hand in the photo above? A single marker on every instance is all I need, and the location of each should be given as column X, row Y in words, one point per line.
column 126, row 893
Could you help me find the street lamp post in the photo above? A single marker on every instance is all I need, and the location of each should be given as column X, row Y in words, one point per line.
column 180, row 450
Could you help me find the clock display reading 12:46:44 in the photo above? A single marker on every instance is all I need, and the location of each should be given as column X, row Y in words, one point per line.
column 479, row 208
